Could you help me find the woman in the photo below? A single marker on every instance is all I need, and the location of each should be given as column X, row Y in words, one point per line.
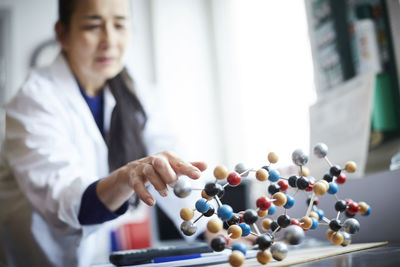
column 69, row 126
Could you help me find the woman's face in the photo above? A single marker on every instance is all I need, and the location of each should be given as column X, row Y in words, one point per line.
column 97, row 37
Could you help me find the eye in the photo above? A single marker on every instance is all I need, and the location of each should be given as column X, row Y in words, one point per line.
column 119, row 26
column 91, row 27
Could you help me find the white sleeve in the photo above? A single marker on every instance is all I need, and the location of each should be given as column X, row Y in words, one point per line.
column 42, row 158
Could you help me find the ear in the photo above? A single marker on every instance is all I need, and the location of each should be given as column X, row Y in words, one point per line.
column 61, row 35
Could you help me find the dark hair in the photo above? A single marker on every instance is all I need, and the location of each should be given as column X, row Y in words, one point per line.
column 65, row 10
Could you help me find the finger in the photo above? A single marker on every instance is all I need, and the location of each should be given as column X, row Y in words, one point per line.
column 202, row 166
column 183, row 167
column 152, row 176
column 164, row 170
column 138, row 185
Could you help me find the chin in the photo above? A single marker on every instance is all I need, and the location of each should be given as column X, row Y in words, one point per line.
column 109, row 73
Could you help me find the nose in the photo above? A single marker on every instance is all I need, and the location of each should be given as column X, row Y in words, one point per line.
column 108, row 36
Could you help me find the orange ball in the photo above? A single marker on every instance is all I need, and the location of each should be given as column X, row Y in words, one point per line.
column 262, row 175
column 337, row 238
column 220, row 172
column 314, row 215
column 237, row 258
column 306, row 222
column 264, row 256
column 205, row 196
column 235, row 231
column 280, row 199
column 266, row 223
column 262, row 213
column 214, row 225
column 350, row 167
column 272, row 157
column 187, row 214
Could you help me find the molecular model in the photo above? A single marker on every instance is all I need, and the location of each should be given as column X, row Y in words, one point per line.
column 243, row 224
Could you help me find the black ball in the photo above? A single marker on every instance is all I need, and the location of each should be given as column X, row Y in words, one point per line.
column 335, row 225
column 340, row 205
column 335, row 170
column 349, row 215
column 235, row 219
column 211, row 189
column 273, row 188
column 210, row 212
column 327, row 177
column 274, row 225
column 293, row 180
column 264, row 241
column 218, row 243
column 221, row 191
column 266, row 168
column 250, row 216
column 302, row 183
column 315, row 202
column 284, row 221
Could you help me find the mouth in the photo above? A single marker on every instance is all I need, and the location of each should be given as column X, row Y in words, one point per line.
column 105, row 60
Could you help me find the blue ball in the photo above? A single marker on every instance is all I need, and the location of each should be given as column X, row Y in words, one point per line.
column 289, row 202
column 225, row 212
column 202, row 205
column 245, row 229
column 333, row 188
column 320, row 213
column 273, row 175
column 314, row 224
column 368, row 212
column 241, row 247
column 272, row 209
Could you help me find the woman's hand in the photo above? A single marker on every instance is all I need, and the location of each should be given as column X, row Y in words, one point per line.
column 160, row 170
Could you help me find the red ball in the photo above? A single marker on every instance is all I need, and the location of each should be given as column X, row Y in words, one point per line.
column 241, row 216
column 234, row 178
column 341, row 179
column 263, row 203
column 283, row 185
column 310, row 187
column 294, row 221
column 352, row 208
column 348, row 201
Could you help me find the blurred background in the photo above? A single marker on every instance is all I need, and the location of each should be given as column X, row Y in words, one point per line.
column 241, row 78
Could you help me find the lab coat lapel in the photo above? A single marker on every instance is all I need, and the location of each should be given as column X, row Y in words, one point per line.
column 68, row 86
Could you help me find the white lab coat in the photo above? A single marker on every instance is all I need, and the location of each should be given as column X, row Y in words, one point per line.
column 54, row 150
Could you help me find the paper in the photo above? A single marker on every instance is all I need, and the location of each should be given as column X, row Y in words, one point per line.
column 342, row 119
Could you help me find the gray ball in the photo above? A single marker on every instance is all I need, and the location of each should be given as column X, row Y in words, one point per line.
column 188, row 228
column 294, row 235
column 346, row 238
column 351, row 226
column 320, row 150
column 241, row 169
column 182, row 188
column 299, row 158
column 279, row 251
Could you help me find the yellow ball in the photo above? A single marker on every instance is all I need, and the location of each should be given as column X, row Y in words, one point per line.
column 272, row 157
column 325, row 183
column 187, row 214
column 264, row 256
column 280, row 199
column 237, row 258
column 320, row 188
column 350, row 167
column 262, row 213
column 305, row 171
column 220, row 172
column 262, row 175
column 214, row 225
column 306, row 222
column 337, row 238
column 329, row 234
column 362, row 207
column 314, row 215
column 266, row 223
column 235, row 231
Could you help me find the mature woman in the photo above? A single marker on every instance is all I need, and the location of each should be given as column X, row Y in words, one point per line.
column 77, row 144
